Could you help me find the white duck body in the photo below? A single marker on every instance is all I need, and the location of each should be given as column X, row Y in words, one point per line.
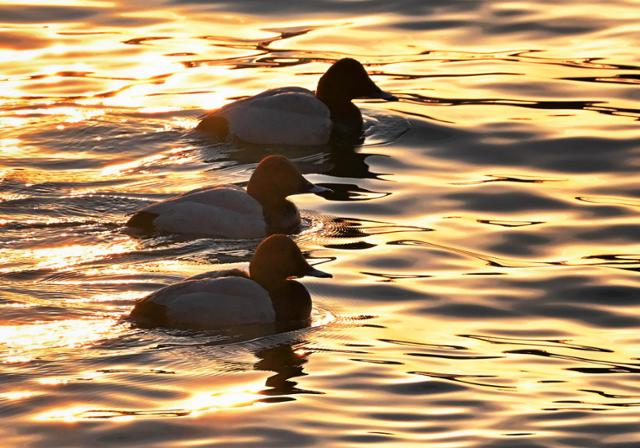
column 210, row 303
column 225, row 210
column 283, row 116
column 263, row 295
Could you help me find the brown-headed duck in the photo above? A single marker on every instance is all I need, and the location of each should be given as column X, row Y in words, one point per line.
column 264, row 295
column 297, row 116
column 228, row 211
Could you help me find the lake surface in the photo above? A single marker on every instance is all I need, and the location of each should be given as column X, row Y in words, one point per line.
column 484, row 240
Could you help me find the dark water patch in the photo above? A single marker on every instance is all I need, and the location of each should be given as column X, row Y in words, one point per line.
column 506, row 201
column 489, row 259
column 150, row 431
column 560, row 343
column 472, row 380
column 398, row 416
column 31, row 225
column 128, row 21
column 455, row 357
column 607, row 367
column 360, row 245
column 521, row 244
column 561, row 154
column 337, row 7
column 468, row 310
column 432, row 387
column 423, row 344
column 392, row 277
column 53, row 163
column 625, row 232
column 595, row 406
column 378, row 361
column 622, row 261
column 365, row 438
column 376, row 292
column 430, row 24
column 407, row 76
column 511, row 178
column 605, row 211
column 624, row 79
column 596, row 294
column 593, row 106
column 39, row 14
column 607, row 395
column 391, row 262
column 490, row 23
column 616, row 201
column 584, row 314
column 517, row 443
column 91, row 205
column 506, row 223
column 547, row 27
column 277, row 399
column 603, row 370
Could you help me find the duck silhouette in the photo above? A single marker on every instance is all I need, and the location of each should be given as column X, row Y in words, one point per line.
column 297, row 116
column 264, row 295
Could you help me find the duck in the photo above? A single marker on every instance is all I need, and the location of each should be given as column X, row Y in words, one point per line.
column 228, row 211
column 265, row 295
column 297, row 116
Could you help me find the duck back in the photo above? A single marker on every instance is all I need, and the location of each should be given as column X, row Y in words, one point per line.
column 209, row 304
column 222, row 211
column 287, row 115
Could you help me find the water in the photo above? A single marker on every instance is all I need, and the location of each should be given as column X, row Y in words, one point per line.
column 484, row 240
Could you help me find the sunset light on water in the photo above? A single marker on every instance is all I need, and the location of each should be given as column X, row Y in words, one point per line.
column 483, row 238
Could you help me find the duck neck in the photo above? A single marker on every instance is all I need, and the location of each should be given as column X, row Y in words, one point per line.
column 280, row 214
column 345, row 116
column 338, row 106
column 262, row 195
column 266, row 280
column 291, row 300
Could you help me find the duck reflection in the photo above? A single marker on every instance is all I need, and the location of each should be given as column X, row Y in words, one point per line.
column 287, row 362
column 338, row 160
column 342, row 161
column 346, row 161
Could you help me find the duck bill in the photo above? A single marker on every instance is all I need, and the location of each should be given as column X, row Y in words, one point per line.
column 315, row 189
column 371, row 90
column 387, row 96
column 379, row 93
column 313, row 272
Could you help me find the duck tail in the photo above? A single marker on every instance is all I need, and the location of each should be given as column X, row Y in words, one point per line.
column 142, row 221
column 214, row 125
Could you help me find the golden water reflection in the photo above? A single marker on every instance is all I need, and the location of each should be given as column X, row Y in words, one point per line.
column 192, row 407
column 483, row 240
column 26, row 342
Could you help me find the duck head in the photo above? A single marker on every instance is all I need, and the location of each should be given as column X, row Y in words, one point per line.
column 275, row 178
column 346, row 80
column 277, row 259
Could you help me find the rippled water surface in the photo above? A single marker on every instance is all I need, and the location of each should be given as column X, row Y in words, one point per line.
column 484, row 240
